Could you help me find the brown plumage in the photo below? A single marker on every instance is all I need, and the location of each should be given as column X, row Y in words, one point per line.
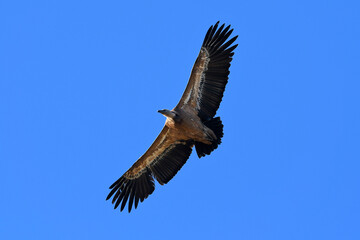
column 190, row 123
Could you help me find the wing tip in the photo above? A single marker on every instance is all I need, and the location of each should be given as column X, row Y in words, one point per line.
column 216, row 37
column 130, row 191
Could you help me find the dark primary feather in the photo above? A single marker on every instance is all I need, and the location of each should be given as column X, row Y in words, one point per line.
column 215, row 77
column 164, row 167
column 138, row 188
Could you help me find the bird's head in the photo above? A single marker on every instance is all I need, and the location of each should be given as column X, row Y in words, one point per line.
column 168, row 113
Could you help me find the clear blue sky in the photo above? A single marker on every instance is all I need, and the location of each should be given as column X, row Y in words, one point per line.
column 80, row 86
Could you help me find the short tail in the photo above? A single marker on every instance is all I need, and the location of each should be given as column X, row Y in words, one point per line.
column 216, row 126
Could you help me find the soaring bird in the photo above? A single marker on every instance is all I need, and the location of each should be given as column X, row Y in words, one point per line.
column 190, row 123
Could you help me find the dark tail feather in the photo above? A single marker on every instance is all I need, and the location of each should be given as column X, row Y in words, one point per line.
column 216, row 126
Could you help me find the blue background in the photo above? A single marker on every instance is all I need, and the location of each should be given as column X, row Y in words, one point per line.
column 80, row 86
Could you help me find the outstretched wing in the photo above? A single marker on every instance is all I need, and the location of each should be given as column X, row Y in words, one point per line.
column 162, row 160
column 210, row 72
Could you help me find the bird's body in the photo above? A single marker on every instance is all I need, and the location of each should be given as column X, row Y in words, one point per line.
column 190, row 123
column 186, row 125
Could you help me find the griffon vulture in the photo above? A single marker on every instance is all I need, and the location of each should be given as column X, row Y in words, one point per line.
column 190, row 123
